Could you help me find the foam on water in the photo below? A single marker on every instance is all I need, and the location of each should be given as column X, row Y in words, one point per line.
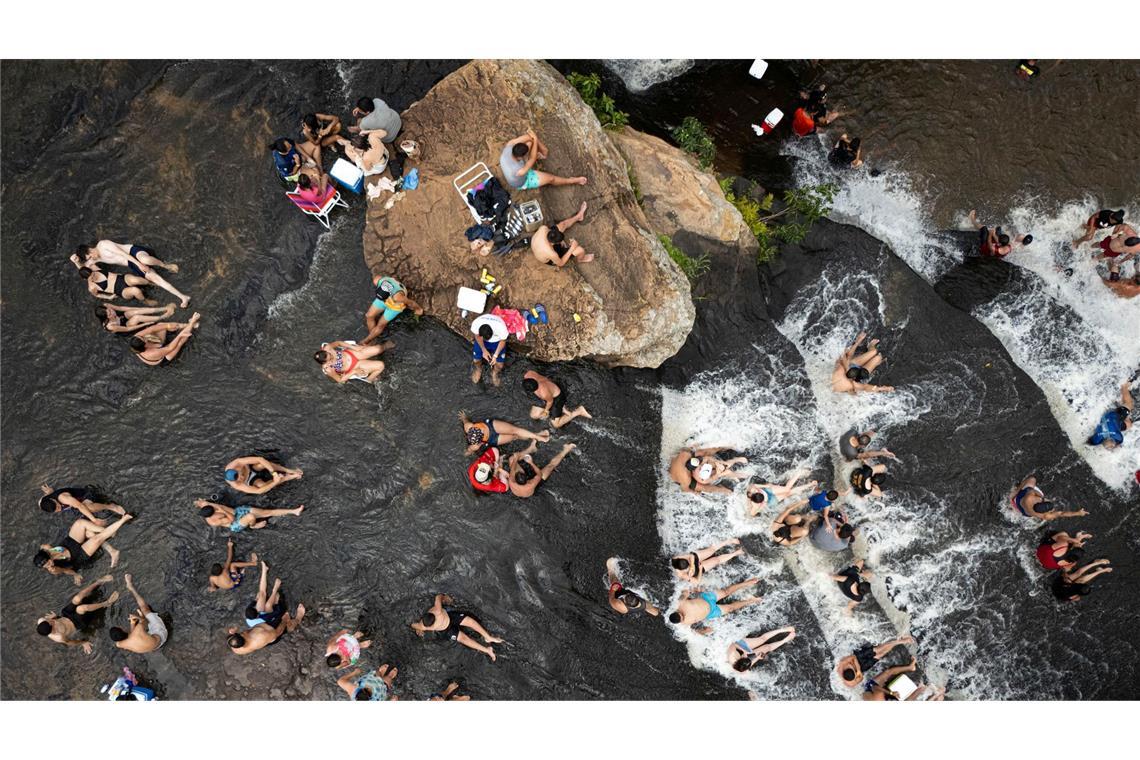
column 639, row 74
column 1070, row 334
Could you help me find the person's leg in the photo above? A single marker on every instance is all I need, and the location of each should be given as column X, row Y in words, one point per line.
column 727, row 592
column 883, row 649
column 475, row 625
column 508, row 432
column 274, row 597
column 544, row 473
column 884, row 678
column 545, row 179
column 96, row 506
column 259, row 603
column 174, row 347
column 141, row 320
column 92, row 544
column 476, row 371
column 142, row 605
column 154, row 278
column 874, row 363
column 708, row 551
column 83, row 529
column 865, row 358
column 262, row 514
column 471, row 643
column 570, row 416
column 84, row 609
column 878, row 469
column 729, row 608
column 311, row 151
column 720, row 559
column 86, row 591
column 566, row 224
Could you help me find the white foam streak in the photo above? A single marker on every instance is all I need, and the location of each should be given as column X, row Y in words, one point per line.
column 639, row 74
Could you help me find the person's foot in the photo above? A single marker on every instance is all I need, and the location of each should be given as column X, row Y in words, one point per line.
column 168, row 310
column 112, row 553
column 496, row 380
column 127, row 578
column 581, row 212
column 150, row 302
column 491, row 653
column 114, row 597
column 913, row 664
column 172, row 268
column 544, row 436
column 579, row 180
column 569, row 447
column 586, row 258
column 195, row 318
column 477, row 374
column 106, row 578
column 583, row 413
column 751, row 582
column 298, row 510
column 494, row 640
column 300, row 614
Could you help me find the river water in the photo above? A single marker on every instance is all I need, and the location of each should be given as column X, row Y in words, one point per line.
column 173, row 156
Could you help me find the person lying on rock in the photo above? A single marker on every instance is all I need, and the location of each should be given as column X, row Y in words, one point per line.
column 229, row 575
column 698, row 607
column 691, row 567
column 389, row 301
column 790, row 527
column 239, row 518
column 764, row 495
column 125, row 319
column 139, row 260
column 108, row 286
column 524, row 476
column 622, row 600
column 373, row 686
column 1115, row 422
column 491, row 432
column 447, row 622
column 550, row 246
column 1030, row 501
column 994, row 242
column 852, row 371
column 745, row 654
column 147, row 630
column 517, row 161
column 1073, row 584
column 77, row 549
column 151, row 347
column 554, row 400
column 490, row 346
column 344, row 360
column 699, row 470
column 74, row 617
column 267, row 619
column 257, row 475
column 81, row 499
column 1123, row 288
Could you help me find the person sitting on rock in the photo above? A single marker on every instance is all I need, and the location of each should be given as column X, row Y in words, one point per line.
column 1123, row 288
column 864, row 657
column 524, row 476
column 490, row 346
column 230, row 574
column 878, row 688
column 320, row 129
column 344, row 360
column 81, row 499
column 147, row 630
column 855, row 583
column 994, row 242
column 847, row 153
column 491, row 432
column 74, row 617
column 447, row 622
column 554, row 400
column 832, row 532
column 77, row 549
column 622, row 600
column 868, row 479
column 450, row 694
column 550, row 246
column 140, row 260
column 761, row 496
column 790, row 527
column 517, row 161
column 151, row 348
column 1073, row 584
column 853, row 446
column 697, row 607
column 256, row 475
column 343, row 649
column 699, row 470
column 366, row 149
column 486, row 474
column 373, row 686
column 389, row 301
column 374, row 115
column 852, row 372
column 267, row 619
column 1101, row 220
column 1115, row 422
column 238, row 519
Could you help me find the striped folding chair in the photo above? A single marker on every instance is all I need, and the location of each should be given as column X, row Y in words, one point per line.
column 321, row 211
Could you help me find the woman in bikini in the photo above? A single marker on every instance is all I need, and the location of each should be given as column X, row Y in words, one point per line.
column 692, row 566
column 229, row 575
column 150, row 346
column 343, row 361
column 764, row 495
column 125, row 319
column 343, row 649
column 239, row 518
column 491, row 433
column 744, row 654
column 108, row 286
column 789, row 529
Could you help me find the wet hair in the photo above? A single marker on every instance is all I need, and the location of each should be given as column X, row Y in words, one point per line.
column 138, row 345
column 863, row 587
column 48, row 504
column 485, row 332
column 206, row 511
column 304, row 181
column 679, row 563
column 523, row 476
column 554, row 235
column 742, row 665
column 321, row 356
column 43, row 628
column 360, row 141
column 1117, row 217
column 845, row 531
column 674, row 617
column 86, row 272
column 1043, row 506
column 216, row 569
column 848, row 674
column 236, row 641
column 1132, row 241
column 82, row 249
column 1027, row 240
column 1073, row 555
column 333, row 660
column 630, row 599
column 251, row 612
column 41, row 558
column 757, row 496
column 1082, row 588
column 530, row 384
column 1003, row 239
column 116, row 633
column 363, row 695
column 310, row 121
column 832, row 495
column 864, row 439
column 366, row 105
column 1123, row 414
column 520, row 150
column 879, row 478
column 428, row 620
column 852, row 373
column 784, row 531
column 474, row 435
column 281, row 145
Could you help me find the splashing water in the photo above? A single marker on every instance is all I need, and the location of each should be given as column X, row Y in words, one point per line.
column 639, row 74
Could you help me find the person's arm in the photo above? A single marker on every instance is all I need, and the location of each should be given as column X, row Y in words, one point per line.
column 652, row 609
column 498, row 352
column 71, row 501
column 333, row 122
column 348, row 680
column 873, row 388
column 702, row 488
column 531, row 158
column 482, row 346
column 415, row 307
column 1049, row 516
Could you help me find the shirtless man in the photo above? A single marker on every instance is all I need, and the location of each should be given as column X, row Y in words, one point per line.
column 492, row 433
column 878, row 691
column 864, row 657
column 525, row 476
column 79, row 499
column 230, row 574
column 550, row 246
column 238, row 519
column 1122, row 244
column 150, row 346
column 77, row 549
column 148, row 631
column 852, row 371
column 1124, row 288
column 1029, row 501
column 446, row 622
column 517, row 161
column 994, row 242
column 73, row 619
column 256, row 475
column 697, row 607
column 553, row 397
column 622, row 600
column 1101, row 220
column 691, row 567
column 139, row 260
column 699, row 470
column 267, row 619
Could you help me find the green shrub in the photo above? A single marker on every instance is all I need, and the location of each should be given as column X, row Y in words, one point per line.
column 802, row 207
column 693, row 267
column 590, row 88
column 691, row 137
column 633, row 183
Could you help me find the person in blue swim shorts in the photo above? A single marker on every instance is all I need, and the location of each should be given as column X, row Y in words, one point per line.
column 388, row 302
column 517, row 162
column 697, row 607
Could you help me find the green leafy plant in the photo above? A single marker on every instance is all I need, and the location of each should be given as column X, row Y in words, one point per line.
column 634, row 184
column 692, row 137
column 694, row 267
column 801, row 208
column 590, row 88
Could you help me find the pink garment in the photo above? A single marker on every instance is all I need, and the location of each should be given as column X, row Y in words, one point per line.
column 514, row 320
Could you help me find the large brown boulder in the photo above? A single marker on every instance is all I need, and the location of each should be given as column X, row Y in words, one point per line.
column 634, row 302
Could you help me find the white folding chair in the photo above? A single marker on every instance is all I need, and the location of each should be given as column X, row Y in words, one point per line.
column 469, row 180
column 320, row 212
